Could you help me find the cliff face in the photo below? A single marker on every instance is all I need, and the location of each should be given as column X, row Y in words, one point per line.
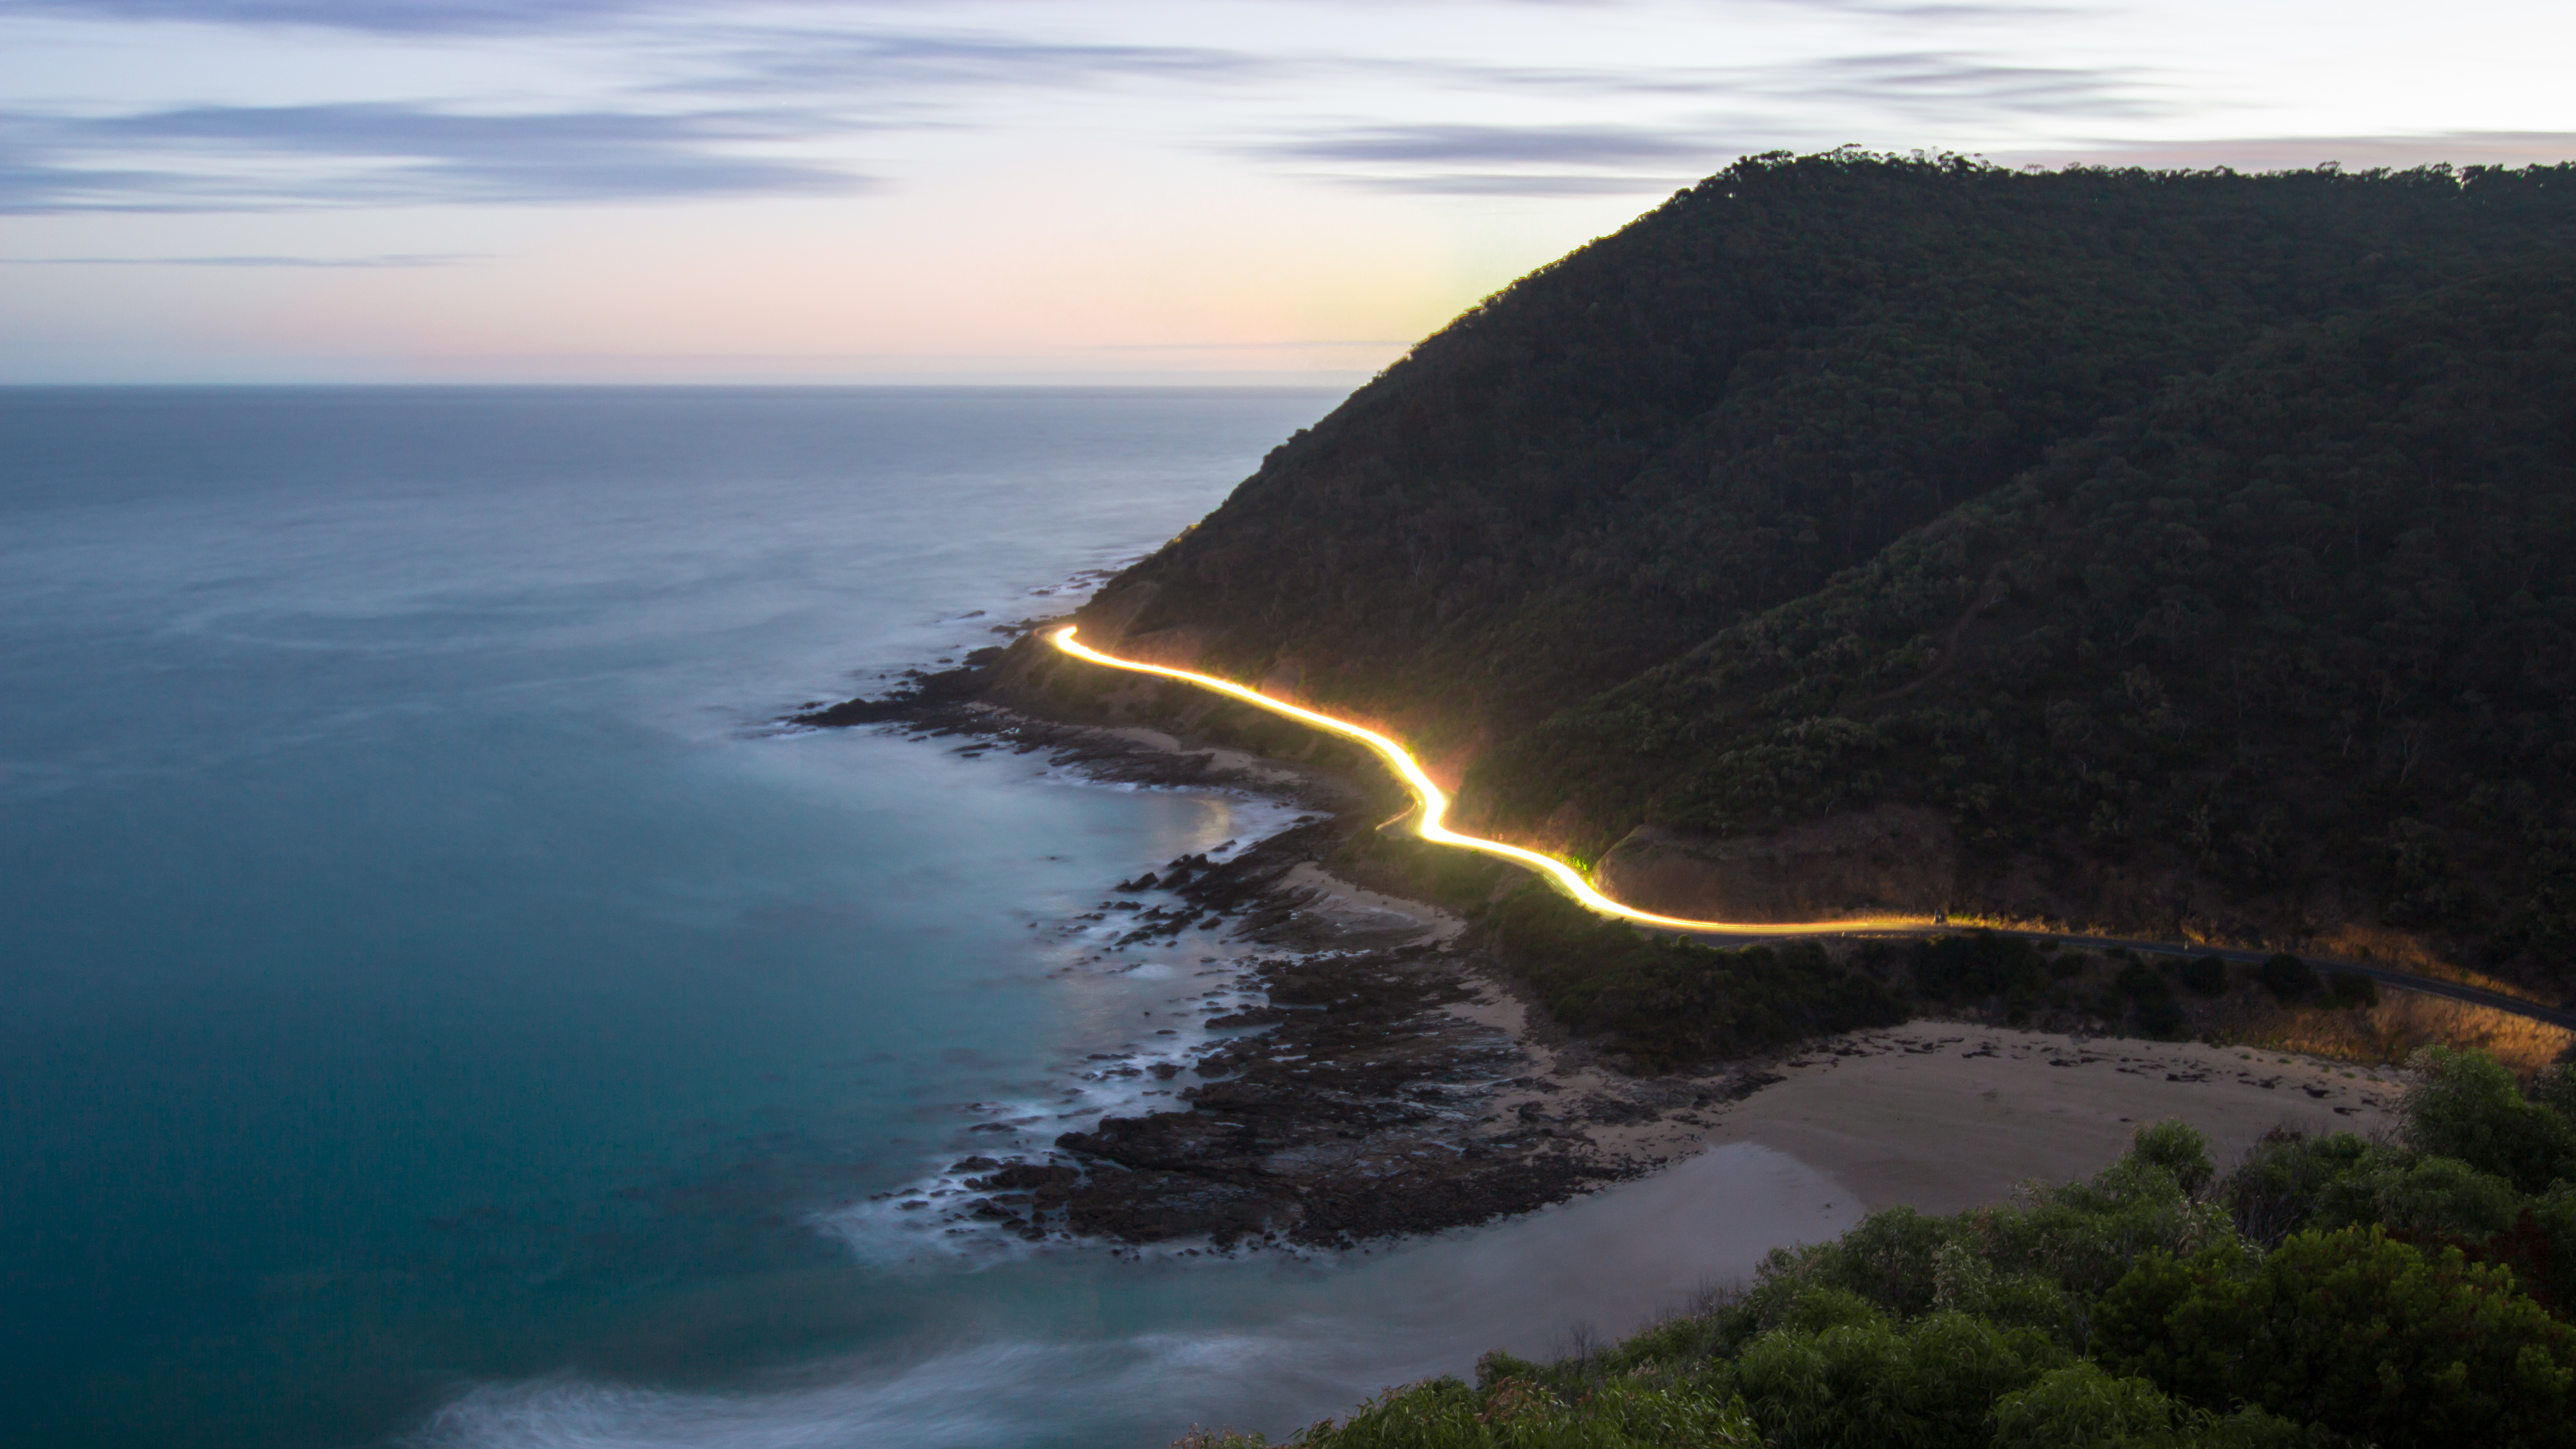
column 2208, row 534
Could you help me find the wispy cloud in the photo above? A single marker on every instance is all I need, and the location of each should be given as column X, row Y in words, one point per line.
column 1937, row 85
column 1468, row 160
column 724, row 83
column 390, row 259
column 1557, row 145
column 1903, row 81
column 1519, row 183
column 765, row 60
column 1797, row 105
column 204, row 158
column 386, row 17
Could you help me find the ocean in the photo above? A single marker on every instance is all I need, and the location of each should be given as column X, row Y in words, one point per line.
column 442, row 1008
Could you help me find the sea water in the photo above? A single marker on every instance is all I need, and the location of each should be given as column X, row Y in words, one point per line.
column 438, row 1005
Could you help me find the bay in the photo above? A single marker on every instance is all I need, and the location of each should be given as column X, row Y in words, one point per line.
column 440, row 1008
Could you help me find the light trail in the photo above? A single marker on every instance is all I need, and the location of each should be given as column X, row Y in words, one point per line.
column 1435, row 807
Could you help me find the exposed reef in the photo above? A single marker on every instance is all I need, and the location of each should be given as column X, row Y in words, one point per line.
column 1381, row 1084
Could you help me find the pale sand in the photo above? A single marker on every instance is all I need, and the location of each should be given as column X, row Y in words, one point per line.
column 1943, row 1116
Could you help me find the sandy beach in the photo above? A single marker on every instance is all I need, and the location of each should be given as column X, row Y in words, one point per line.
column 1944, row 1116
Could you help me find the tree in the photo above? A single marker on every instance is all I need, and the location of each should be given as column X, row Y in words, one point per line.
column 2353, row 1330
column 2467, row 1105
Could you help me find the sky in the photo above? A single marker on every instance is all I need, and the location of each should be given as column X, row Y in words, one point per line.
column 1054, row 191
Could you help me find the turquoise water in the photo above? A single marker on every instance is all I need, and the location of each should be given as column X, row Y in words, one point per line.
column 438, row 1011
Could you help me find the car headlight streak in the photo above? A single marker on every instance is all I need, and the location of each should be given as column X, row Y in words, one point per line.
column 1435, row 807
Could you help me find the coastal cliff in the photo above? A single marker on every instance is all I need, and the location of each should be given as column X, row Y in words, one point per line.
column 2170, row 553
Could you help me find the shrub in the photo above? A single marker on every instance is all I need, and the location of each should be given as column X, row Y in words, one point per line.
column 2350, row 1329
column 2465, row 1105
column 2556, row 1089
column 2552, row 1217
column 1518, row 1413
column 2286, row 976
column 2142, row 982
column 2283, row 1180
column 2081, row 1407
column 2078, row 1407
column 2351, row 990
column 1976, row 966
column 2431, row 1197
column 1668, row 1003
column 1930, row 1384
column 2084, row 1235
column 2180, row 1149
column 2203, row 975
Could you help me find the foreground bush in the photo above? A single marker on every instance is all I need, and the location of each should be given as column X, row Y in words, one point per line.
column 2347, row 1329
column 2328, row 1292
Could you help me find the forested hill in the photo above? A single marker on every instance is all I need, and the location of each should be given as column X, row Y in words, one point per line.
column 2201, row 526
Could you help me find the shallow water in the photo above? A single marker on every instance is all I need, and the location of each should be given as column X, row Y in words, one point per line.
column 1079, row 1349
column 437, row 1008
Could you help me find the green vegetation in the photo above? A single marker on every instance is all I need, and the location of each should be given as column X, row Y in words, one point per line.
column 2298, row 622
column 2328, row 1292
column 1664, row 1002
column 2209, row 528
column 1659, row 1003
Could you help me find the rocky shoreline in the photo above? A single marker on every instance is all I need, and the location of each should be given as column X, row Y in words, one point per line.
column 1382, row 1083
column 950, row 704
column 1364, row 1070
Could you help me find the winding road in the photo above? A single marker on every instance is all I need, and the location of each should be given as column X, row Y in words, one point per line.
column 1429, row 824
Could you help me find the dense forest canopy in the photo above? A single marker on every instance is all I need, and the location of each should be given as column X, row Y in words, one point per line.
column 2203, row 523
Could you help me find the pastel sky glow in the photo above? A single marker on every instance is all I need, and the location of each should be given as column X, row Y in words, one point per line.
column 1054, row 190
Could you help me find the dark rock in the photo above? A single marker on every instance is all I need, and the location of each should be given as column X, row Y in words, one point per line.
column 1357, row 1117
column 926, row 691
column 1749, row 1083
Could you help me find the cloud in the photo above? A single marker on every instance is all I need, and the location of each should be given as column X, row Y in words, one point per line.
column 1905, row 82
column 384, row 17
column 1739, row 109
column 1947, row 86
column 1594, row 145
column 235, row 158
column 1494, row 160
column 1518, row 183
column 833, row 59
column 390, row 259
